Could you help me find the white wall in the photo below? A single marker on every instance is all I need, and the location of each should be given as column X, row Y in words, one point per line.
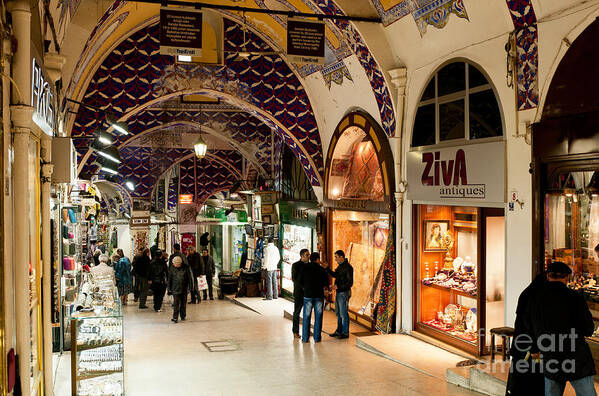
column 124, row 240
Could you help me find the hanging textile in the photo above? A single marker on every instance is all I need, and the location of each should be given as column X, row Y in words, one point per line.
column 388, row 296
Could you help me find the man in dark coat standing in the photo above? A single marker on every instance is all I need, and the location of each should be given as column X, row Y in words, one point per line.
column 209, row 271
column 141, row 267
column 158, row 279
column 525, row 377
column 177, row 252
column 560, row 320
column 298, row 293
column 313, row 279
column 179, row 284
column 344, row 280
column 195, row 262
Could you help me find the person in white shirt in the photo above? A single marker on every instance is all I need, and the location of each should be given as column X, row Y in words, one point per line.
column 270, row 263
column 103, row 270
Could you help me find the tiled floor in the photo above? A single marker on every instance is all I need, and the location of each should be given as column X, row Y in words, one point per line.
column 163, row 358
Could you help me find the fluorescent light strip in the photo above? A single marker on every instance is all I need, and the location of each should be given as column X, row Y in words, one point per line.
column 110, row 157
column 105, row 169
column 119, row 128
column 104, row 140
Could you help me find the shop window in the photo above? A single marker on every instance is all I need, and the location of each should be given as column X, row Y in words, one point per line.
column 572, row 231
column 457, row 104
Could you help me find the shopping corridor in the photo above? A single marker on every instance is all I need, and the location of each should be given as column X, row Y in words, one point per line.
column 163, row 358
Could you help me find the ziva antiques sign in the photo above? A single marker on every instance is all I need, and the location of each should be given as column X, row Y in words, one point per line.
column 473, row 173
column 42, row 100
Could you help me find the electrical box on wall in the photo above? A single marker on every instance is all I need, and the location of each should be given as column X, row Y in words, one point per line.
column 64, row 158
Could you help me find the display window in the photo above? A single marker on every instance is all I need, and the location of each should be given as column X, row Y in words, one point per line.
column 237, row 235
column 363, row 237
column 295, row 238
column 571, row 231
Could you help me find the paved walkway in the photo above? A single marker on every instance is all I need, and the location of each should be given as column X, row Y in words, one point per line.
column 252, row 354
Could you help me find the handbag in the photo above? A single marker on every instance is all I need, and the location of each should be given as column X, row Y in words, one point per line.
column 202, row 282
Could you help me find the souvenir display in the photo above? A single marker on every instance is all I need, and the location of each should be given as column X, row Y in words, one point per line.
column 457, row 321
column 455, row 280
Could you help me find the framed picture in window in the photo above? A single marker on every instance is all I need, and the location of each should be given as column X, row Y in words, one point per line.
column 267, row 199
column 433, row 231
column 266, row 219
column 267, row 209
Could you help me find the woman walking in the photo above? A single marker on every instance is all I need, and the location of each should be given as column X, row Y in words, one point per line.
column 122, row 273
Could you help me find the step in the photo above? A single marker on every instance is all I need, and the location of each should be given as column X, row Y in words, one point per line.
column 490, row 379
column 459, row 376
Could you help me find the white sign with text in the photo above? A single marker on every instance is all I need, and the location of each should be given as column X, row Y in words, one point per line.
column 472, row 173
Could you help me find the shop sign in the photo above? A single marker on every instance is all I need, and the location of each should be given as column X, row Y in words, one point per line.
column 472, row 173
column 359, row 205
column 180, row 31
column 42, row 100
column 140, row 222
column 299, row 214
column 185, row 199
column 305, row 41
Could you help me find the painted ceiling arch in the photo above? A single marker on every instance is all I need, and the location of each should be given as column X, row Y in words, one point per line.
column 134, row 76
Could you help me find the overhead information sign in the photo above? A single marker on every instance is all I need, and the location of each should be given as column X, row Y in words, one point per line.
column 185, row 199
column 180, row 31
column 305, row 41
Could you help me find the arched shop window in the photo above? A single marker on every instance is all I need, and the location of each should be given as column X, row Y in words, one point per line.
column 458, row 103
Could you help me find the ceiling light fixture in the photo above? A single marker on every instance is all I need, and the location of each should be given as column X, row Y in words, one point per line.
column 111, row 153
column 129, row 184
column 120, row 127
column 200, row 147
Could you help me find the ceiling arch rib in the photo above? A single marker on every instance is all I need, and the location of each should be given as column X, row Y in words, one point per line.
column 265, row 87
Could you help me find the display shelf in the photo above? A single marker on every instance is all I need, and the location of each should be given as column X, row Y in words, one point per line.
column 96, row 374
column 87, row 347
column 452, row 290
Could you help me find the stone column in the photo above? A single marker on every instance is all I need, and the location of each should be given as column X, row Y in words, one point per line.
column 21, row 118
column 398, row 79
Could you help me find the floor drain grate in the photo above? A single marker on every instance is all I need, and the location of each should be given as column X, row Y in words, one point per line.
column 220, row 346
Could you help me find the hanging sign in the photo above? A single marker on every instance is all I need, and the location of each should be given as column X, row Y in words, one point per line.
column 305, row 41
column 42, row 100
column 180, row 31
column 185, row 199
column 472, row 173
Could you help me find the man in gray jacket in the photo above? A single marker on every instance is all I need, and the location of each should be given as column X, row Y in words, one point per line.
column 180, row 282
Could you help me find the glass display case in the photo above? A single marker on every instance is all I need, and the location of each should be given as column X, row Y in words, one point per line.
column 97, row 364
column 571, row 228
column 295, row 238
column 447, row 274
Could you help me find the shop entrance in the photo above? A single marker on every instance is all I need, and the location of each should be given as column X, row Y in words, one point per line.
column 494, row 264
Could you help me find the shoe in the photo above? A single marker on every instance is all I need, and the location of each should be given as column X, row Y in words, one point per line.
column 316, row 342
column 192, row 302
column 182, row 319
column 158, row 310
column 144, row 307
column 296, row 335
column 267, row 298
column 212, row 298
column 174, row 320
column 306, row 342
column 335, row 334
column 342, row 336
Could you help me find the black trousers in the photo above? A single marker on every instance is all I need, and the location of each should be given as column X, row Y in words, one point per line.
column 195, row 294
column 209, row 282
column 298, row 303
column 159, row 289
column 143, row 291
column 136, row 286
column 180, row 306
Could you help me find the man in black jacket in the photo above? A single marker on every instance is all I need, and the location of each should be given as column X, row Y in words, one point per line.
column 560, row 321
column 298, row 293
column 158, row 278
column 179, row 284
column 313, row 279
column 344, row 280
column 141, row 266
column 177, row 252
column 209, row 270
column 195, row 262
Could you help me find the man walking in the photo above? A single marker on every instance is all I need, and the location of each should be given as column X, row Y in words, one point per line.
column 158, row 279
column 177, row 253
column 195, row 262
column 298, row 293
column 313, row 279
column 208, row 269
column 560, row 321
column 179, row 284
column 141, row 267
column 344, row 280
column 270, row 263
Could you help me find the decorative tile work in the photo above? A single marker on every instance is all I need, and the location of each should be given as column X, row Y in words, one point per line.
column 135, row 73
column 211, row 177
column 173, row 192
column 336, row 73
column 393, row 13
column 436, row 12
column 525, row 24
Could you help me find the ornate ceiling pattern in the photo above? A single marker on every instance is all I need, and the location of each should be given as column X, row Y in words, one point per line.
column 210, row 175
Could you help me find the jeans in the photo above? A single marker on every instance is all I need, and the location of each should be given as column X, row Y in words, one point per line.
column 143, row 291
column 272, row 286
column 298, row 303
column 159, row 289
column 583, row 387
column 341, row 302
column 317, row 303
column 180, row 306
column 209, row 291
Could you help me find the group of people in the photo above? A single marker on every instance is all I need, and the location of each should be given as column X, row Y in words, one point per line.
column 152, row 269
column 549, row 347
column 310, row 286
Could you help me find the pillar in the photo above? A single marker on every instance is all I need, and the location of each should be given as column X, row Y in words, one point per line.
column 399, row 80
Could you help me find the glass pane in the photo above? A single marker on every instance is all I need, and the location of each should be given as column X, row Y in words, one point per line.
column 424, row 126
column 495, row 274
column 429, row 92
column 447, row 271
column 485, row 118
column 451, row 120
column 295, row 238
column 572, row 233
column 452, row 78
column 475, row 77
